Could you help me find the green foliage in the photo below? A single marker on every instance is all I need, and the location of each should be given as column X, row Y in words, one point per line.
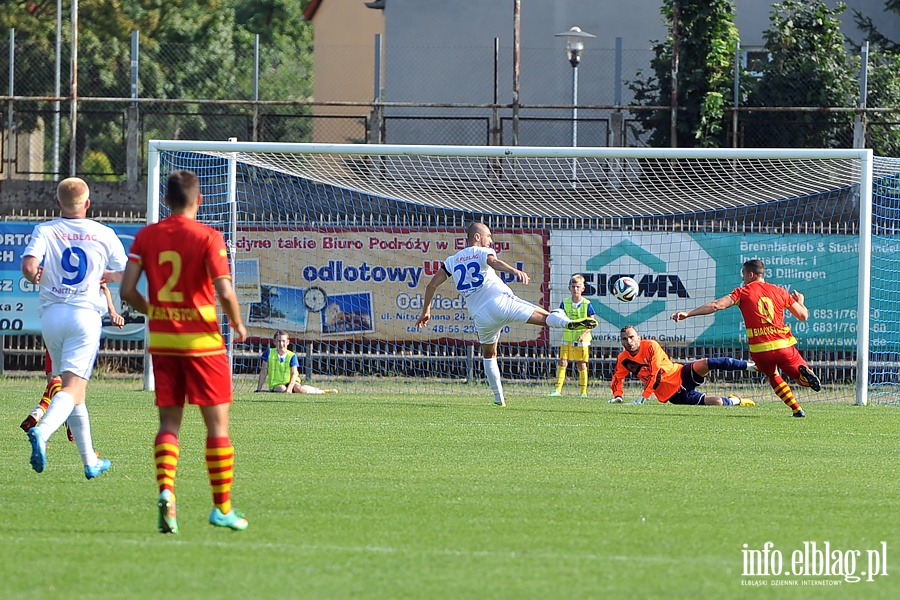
column 371, row 494
column 884, row 90
column 707, row 38
column 96, row 164
column 873, row 34
column 809, row 67
column 189, row 49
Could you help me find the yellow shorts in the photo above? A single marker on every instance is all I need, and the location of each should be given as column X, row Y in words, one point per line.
column 576, row 353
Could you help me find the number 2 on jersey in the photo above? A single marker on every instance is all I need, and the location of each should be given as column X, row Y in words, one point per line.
column 167, row 292
column 464, row 282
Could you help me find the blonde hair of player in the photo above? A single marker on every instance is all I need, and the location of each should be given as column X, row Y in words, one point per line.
column 73, row 196
column 572, row 351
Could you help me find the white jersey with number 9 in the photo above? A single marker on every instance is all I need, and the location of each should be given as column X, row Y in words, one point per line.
column 75, row 252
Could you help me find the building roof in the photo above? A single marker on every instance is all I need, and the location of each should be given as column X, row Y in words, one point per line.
column 313, row 6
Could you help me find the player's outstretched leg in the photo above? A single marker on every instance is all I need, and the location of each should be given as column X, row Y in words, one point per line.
column 585, row 323
column 738, row 401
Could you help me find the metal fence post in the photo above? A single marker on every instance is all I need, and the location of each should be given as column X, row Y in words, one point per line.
column 376, row 121
column 860, row 121
column 131, row 147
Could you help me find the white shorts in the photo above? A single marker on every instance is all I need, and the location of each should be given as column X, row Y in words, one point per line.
column 72, row 336
column 500, row 312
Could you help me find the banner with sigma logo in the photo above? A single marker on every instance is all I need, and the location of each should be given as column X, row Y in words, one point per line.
column 680, row 271
column 369, row 283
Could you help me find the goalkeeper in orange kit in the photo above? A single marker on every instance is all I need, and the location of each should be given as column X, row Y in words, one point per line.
column 670, row 382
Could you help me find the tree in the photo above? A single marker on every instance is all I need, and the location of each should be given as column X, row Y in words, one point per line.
column 874, row 36
column 809, row 66
column 286, row 63
column 707, row 38
column 189, row 49
column 883, row 133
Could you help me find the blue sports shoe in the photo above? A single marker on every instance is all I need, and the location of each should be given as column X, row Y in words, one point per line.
column 38, row 450
column 166, row 504
column 234, row 519
column 101, row 466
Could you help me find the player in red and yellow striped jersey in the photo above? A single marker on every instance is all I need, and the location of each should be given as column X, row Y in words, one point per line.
column 670, row 382
column 186, row 265
column 772, row 345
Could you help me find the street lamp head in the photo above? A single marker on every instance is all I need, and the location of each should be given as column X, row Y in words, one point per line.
column 575, row 43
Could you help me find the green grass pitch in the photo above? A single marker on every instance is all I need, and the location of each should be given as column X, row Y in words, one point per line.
column 381, row 495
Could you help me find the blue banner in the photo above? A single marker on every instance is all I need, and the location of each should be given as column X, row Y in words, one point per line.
column 19, row 299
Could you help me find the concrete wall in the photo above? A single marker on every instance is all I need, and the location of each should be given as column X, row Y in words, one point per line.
column 39, row 197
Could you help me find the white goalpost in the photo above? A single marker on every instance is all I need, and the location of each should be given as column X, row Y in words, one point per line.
column 334, row 244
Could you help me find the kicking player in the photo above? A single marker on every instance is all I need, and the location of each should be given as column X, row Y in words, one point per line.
column 490, row 302
column 75, row 252
column 670, row 382
column 772, row 345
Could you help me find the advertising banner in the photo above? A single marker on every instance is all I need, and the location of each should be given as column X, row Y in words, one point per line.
column 19, row 300
column 680, row 271
column 370, row 282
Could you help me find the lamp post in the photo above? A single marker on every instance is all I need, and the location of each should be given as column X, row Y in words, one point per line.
column 574, row 47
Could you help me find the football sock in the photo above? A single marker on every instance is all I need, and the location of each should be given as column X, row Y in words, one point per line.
column 165, row 454
column 60, row 408
column 560, row 378
column 726, row 363
column 220, row 466
column 783, row 391
column 53, row 386
column 728, row 401
column 557, row 319
column 80, row 425
column 492, row 372
column 582, row 380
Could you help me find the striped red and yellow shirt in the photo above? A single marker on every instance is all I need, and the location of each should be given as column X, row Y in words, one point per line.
column 181, row 258
column 763, row 305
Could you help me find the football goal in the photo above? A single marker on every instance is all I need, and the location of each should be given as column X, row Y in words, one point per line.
column 334, row 245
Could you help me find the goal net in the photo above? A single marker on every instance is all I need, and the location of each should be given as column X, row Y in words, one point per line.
column 334, row 245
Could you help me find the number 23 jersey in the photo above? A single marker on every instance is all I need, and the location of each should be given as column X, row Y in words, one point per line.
column 75, row 252
column 475, row 281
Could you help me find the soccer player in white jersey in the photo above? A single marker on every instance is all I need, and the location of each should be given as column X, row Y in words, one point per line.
column 490, row 302
column 67, row 257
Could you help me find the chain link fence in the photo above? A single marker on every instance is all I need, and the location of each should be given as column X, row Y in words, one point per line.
column 431, row 96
